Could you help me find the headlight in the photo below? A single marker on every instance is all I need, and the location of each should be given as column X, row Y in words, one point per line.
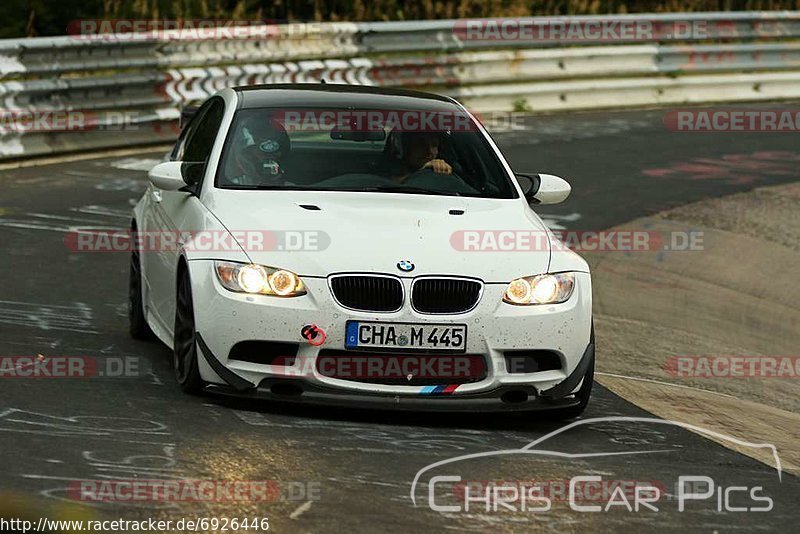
column 541, row 289
column 252, row 278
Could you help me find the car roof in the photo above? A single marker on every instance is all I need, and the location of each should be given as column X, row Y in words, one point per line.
column 341, row 96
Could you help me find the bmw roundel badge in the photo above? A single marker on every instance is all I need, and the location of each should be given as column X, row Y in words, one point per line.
column 405, row 265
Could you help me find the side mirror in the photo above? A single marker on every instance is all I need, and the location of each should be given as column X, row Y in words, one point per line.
column 177, row 176
column 167, row 176
column 543, row 188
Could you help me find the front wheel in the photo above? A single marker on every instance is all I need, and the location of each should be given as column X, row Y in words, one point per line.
column 184, row 354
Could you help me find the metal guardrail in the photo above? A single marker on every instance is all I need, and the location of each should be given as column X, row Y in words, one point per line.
column 132, row 85
column 448, row 35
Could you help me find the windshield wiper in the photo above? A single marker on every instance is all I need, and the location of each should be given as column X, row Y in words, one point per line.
column 367, row 189
column 269, row 187
column 401, row 189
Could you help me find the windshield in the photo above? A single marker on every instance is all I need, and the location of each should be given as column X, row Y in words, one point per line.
column 400, row 151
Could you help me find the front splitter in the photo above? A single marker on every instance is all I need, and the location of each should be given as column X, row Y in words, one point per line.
column 296, row 391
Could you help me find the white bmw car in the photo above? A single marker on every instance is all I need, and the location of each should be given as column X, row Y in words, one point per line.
column 350, row 245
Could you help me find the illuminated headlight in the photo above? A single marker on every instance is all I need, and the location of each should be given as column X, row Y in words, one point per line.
column 252, row 278
column 541, row 289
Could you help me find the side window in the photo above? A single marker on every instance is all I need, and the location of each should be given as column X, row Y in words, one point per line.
column 186, row 133
column 197, row 139
column 200, row 141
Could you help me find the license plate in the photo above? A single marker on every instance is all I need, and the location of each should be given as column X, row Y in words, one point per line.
column 379, row 335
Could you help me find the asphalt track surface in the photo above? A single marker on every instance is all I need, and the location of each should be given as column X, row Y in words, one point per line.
column 349, row 470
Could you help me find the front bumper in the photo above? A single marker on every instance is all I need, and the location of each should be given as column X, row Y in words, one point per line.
column 224, row 318
column 502, row 399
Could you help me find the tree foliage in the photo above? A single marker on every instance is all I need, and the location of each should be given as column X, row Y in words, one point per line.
column 41, row 17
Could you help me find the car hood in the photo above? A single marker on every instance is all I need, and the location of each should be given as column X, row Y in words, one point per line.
column 372, row 232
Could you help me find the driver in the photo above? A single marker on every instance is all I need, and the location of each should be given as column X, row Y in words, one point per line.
column 260, row 146
column 414, row 151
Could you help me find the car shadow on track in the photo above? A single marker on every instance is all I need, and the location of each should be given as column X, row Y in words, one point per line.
column 600, row 403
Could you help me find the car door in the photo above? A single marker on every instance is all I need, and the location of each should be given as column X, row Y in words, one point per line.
column 172, row 209
column 153, row 224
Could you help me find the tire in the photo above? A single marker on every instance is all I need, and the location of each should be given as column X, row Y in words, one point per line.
column 583, row 394
column 137, row 324
column 184, row 353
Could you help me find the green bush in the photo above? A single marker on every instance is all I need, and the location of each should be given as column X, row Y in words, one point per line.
column 41, row 17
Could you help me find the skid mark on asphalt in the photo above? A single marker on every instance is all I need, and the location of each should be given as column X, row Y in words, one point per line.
column 33, row 225
column 393, row 438
column 135, row 164
column 70, row 479
column 105, row 211
column 738, row 169
column 557, row 222
column 56, row 217
column 76, row 317
column 71, row 222
column 18, row 420
column 110, row 451
column 640, row 379
column 303, row 508
column 122, row 184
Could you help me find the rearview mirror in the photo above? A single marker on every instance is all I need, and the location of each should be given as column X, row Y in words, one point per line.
column 543, row 188
column 167, row 176
column 354, row 134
